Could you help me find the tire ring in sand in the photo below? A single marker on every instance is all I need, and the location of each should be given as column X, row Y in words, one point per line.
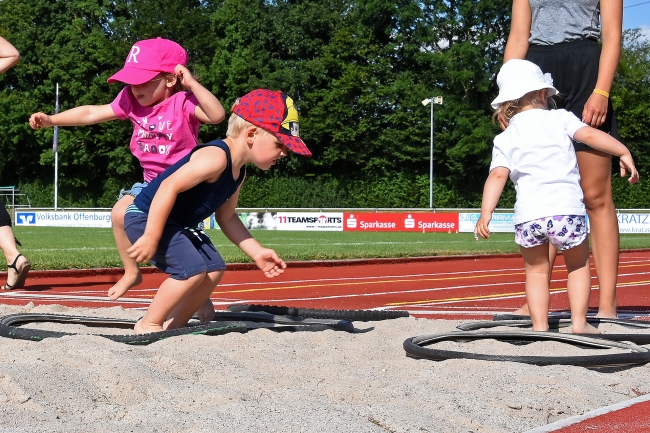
column 555, row 323
column 350, row 315
column 287, row 323
column 635, row 355
column 9, row 327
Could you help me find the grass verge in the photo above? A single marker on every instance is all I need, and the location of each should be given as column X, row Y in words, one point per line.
column 84, row 248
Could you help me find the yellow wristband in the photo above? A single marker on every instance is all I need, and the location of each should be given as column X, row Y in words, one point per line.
column 601, row 92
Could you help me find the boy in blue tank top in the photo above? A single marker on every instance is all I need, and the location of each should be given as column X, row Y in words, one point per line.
column 263, row 125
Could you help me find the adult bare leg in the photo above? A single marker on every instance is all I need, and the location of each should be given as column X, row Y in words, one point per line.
column 11, row 253
column 596, row 182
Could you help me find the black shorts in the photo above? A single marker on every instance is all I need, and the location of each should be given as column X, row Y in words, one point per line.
column 5, row 219
column 574, row 68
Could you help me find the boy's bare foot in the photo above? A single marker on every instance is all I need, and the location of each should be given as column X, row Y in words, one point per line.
column 141, row 328
column 121, row 287
column 206, row 311
column 583, row 328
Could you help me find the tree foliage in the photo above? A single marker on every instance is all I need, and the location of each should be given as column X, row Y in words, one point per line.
column 358, row 70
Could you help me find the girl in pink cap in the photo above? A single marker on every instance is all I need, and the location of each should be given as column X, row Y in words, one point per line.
column 537, row 153
column 165, row 120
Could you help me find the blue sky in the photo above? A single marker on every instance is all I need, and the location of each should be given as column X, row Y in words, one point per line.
column 636, row 13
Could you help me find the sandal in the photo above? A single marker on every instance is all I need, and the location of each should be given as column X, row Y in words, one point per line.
column 21, row 274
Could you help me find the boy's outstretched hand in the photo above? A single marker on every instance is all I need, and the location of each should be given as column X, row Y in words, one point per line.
column 269, row 262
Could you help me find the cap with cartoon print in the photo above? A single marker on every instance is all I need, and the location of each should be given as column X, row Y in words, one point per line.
column 275, row 112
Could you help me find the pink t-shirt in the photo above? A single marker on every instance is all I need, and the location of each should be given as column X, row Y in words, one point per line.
column 162, row 133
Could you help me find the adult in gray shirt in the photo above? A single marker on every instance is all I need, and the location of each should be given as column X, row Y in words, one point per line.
column 561, row 37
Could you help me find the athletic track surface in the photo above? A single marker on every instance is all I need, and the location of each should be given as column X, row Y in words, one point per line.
column 458, row 288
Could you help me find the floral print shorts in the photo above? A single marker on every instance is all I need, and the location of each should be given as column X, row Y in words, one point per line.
column 563, row 231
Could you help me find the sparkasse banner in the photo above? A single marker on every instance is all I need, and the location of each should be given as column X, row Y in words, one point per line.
column 374, row 222
column 429, row 222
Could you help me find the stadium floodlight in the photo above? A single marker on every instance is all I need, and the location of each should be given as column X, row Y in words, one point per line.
column 436, row 100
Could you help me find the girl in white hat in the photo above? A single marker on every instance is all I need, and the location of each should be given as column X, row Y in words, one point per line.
column 537, row 153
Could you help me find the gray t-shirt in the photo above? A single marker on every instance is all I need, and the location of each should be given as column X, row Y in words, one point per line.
column 556, row 21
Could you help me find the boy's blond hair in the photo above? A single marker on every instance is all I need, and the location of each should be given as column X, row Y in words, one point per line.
column 237, row 124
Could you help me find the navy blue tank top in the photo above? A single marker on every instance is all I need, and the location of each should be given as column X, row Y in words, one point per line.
column 200, row 201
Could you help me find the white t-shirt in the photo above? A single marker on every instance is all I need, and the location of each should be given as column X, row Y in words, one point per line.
column 536, row 147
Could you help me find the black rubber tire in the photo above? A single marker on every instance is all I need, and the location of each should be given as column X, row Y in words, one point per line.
column 350, row 315
column 560, row 320
column 636, row 355
column 290, row 323
column 9, row 327
column 555, row 323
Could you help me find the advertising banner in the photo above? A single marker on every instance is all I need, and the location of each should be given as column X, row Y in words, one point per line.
column 311, row 221
column 501, row 222
column 633, row 223
column 372, row 222
column 63, row 219
column 430, row 222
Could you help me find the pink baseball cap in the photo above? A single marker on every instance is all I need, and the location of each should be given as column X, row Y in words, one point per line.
column 275, row 112
column 148, row 58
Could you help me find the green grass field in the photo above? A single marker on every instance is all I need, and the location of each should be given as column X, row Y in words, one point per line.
column 83, row 248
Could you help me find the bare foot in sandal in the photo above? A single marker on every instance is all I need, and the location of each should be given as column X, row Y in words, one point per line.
column 17, row 273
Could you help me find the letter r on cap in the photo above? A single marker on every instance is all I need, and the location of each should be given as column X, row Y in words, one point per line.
column 135, row 50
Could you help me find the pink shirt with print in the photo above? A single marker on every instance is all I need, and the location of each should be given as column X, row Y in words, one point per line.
column 162, row 133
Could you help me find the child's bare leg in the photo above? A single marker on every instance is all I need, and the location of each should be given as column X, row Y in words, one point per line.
column 537, row 288
column 552, row 253
column 191, row 303
column 579, row 287
column 132, row 276
column 171, row 293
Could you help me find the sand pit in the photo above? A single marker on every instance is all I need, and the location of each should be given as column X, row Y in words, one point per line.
column 267, row 381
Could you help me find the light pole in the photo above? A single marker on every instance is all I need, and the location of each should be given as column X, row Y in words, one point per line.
column 436, row 100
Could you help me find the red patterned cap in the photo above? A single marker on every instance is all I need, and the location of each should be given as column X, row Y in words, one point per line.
column 275, row 112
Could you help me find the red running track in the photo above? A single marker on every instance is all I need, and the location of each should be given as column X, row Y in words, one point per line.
column 437, row 288
column 445, row 287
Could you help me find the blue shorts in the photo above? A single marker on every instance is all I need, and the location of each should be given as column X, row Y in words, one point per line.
column 181, row 253
column 134, row 191
column 563, row 232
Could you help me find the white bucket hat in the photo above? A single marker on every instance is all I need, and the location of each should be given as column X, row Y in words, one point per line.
column 518, row 77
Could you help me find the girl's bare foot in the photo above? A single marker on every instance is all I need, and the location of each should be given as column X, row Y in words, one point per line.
column 141, row 328
column 607, row 313
column 583, row 328
column 121, row 287
column 522, row 311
